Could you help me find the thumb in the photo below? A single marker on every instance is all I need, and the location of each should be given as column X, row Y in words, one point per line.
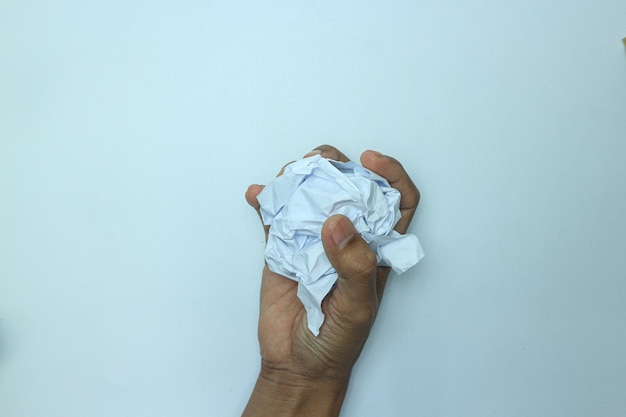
column 354, row 262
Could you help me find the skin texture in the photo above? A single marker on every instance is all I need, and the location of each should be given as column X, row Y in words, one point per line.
column 305, row 375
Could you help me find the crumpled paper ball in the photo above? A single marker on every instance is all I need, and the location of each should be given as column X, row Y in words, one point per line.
column 296, row 205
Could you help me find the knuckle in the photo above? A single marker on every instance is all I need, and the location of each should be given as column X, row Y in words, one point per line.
column 330, row 152
column 326, row 148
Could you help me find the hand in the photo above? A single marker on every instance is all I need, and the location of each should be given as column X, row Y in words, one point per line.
column 303, row 374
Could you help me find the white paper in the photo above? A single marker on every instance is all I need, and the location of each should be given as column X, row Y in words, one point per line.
column 296, row 205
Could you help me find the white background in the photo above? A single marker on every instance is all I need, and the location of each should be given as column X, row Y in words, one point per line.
column 130, row 263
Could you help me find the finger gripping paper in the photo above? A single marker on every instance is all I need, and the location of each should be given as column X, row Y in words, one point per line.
column 296, row 205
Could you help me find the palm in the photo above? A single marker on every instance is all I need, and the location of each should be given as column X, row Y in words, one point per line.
column 286, row 339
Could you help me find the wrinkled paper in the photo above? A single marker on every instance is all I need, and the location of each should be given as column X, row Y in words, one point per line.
column 296, row 205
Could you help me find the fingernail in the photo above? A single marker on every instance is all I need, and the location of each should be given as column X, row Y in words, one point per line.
column 378, row 154
column 342, row 233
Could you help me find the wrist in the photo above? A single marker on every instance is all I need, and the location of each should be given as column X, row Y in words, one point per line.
column 281, row 393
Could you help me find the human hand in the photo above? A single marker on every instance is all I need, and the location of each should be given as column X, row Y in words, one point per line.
column 301, row 372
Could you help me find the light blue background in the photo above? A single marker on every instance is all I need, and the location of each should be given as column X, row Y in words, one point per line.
column 130, row 263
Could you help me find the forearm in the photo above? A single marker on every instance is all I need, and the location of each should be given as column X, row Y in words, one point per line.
column 279, row 395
